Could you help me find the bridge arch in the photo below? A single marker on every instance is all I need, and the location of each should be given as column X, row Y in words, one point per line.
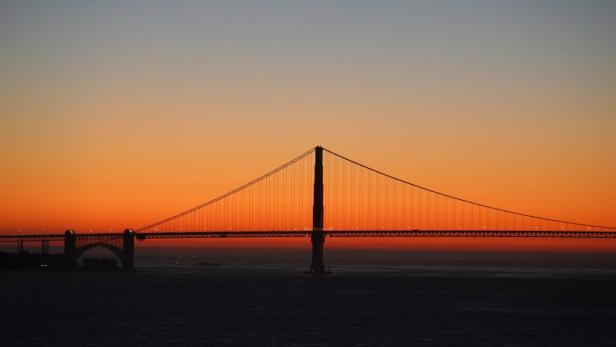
column 117, row 251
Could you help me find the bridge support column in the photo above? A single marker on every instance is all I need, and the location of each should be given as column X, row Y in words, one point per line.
column 70, row 245
column 317, row 266
column 128, row 250
column 45, row 247
column 317, row 238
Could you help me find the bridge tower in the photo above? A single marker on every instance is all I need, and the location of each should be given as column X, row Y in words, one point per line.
column 128, row 250
column 70, row 245
column 318, row 238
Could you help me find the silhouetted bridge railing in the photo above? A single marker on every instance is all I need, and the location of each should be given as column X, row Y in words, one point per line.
column 290, row 201
column 381, row 233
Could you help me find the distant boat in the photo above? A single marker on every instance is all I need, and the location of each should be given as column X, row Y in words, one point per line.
column 204, row 263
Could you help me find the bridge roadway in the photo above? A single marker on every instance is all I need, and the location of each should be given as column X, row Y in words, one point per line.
column 328, row 233
column 379, row 233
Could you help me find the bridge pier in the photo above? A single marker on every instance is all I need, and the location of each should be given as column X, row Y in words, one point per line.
column 45, row 247
column 317, row 266
column 128, row 250
column 70, row 248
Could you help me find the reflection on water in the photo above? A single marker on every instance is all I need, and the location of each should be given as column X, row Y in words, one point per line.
column 425, row 263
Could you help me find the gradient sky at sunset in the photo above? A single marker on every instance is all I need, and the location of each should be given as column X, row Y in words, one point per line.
column 115, row 114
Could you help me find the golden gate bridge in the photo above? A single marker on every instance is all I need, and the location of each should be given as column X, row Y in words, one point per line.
column 322, row 194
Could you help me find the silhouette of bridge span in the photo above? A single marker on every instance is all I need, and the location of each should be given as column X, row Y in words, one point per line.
column 322, row 194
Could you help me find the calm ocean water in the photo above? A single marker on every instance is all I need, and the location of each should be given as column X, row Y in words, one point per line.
column 261, row 297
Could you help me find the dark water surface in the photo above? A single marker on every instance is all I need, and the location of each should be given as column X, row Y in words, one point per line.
column 275, row 306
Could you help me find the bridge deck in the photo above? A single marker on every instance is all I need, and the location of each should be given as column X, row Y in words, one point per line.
column 384, row 233
column 330, row 233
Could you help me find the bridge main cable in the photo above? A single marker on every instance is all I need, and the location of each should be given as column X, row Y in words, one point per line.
column 234, row 191
column 464, row 200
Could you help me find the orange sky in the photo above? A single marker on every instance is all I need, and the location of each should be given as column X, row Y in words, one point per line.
column 121, row 121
